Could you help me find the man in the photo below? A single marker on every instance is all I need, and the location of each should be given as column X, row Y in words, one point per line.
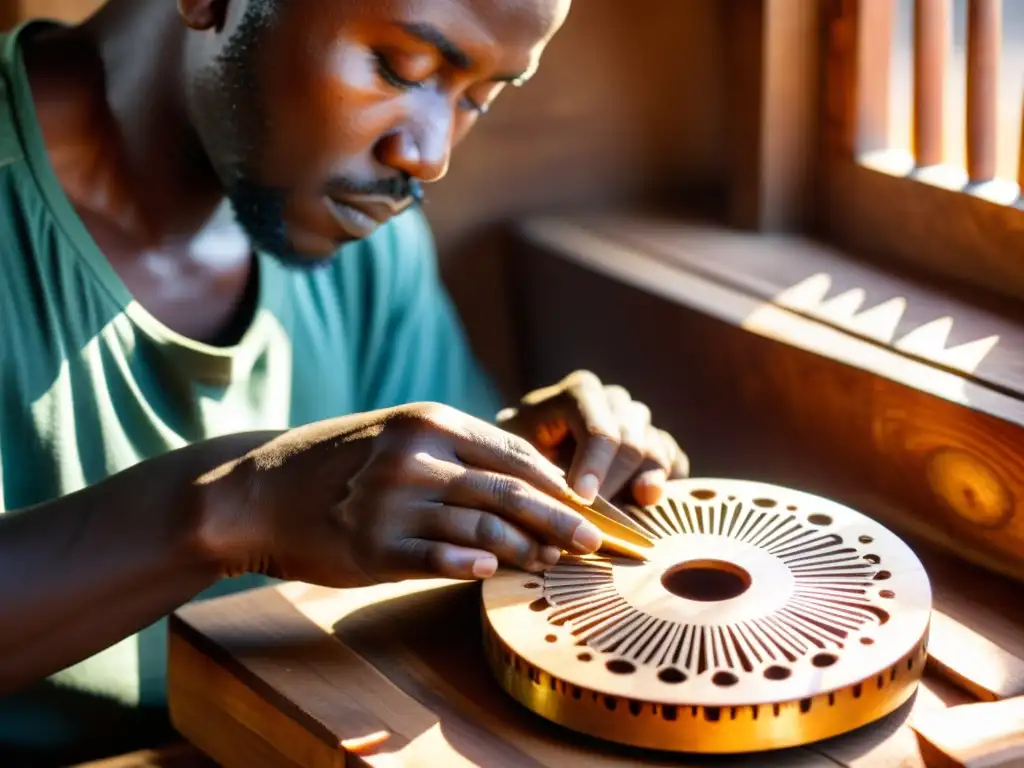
column 225, row 352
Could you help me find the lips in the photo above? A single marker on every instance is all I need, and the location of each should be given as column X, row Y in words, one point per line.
column 360, row 216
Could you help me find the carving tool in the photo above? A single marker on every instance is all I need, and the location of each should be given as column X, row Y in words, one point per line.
column 618, row 532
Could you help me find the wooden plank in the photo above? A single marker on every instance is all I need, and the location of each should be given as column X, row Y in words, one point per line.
column 979, row 339
column 988, row 672
column 981, row 735
column 773, row 112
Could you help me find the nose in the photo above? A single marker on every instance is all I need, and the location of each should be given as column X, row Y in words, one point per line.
column 421, row 148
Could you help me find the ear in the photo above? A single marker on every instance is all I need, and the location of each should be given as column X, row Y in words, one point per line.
column 203, row 14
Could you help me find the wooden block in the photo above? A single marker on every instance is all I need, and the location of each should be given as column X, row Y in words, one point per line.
column 979, row 735
column 973, row 662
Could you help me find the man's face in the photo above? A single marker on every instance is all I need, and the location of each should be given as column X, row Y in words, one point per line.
column 321, row 117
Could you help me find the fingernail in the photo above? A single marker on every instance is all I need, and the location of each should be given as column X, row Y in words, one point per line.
column 550, row 555
column 587, row 538
column 588, row 486
column 485, row 567
column 649, row 487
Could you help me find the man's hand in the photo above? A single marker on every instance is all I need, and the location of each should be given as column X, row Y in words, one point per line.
column 415, row 491
column 604, row 436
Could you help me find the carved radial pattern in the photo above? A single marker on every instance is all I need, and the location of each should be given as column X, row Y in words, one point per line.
column 754, row 598
column 829, row 601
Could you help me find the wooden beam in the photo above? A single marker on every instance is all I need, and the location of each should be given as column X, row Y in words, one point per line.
column 773, row 68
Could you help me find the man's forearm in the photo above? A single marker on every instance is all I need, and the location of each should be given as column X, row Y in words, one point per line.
column 82, row 572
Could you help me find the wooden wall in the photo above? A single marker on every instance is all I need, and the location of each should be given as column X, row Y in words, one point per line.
column 629, row 104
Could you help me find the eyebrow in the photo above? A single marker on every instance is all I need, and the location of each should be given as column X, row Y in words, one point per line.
column 454, row 55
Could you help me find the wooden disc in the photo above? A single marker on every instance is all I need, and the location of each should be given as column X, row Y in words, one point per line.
column 764, row 618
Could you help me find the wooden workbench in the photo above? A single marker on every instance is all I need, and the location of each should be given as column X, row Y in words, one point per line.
column 294, row 675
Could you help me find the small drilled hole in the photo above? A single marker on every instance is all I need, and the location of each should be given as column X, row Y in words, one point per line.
column 672, row 675
column 620, row 667
column 532, row 585
column 824, row 659
column 865, row 539
column 703, row 494
column 551, row 638
column 882, row 576
column 791, row 508
column 819, row 519
column 540, row 604
column 873, row 559
column 769, row 503
column 866, row 641
column 584, row 656
column 888, row 594
column 776, row 672
column 732, row 498
column 724, row 679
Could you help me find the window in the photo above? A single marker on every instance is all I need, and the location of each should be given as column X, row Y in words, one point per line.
column 922, row 136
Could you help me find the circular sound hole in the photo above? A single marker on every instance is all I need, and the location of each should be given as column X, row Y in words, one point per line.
column 672, row 675
column 532, row 585
column 865, row 539
column 818, row 519
column 776, row 672
column 584, row 656
column 724, row 679
column 551, row 638
column 765, row 503
column 706, row 581
column 703, row 494
column 866, row 641
column 824, row 659
column 888, row 594
column 620, row 667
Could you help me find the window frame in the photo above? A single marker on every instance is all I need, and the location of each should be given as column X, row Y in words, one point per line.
column 940, row 233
